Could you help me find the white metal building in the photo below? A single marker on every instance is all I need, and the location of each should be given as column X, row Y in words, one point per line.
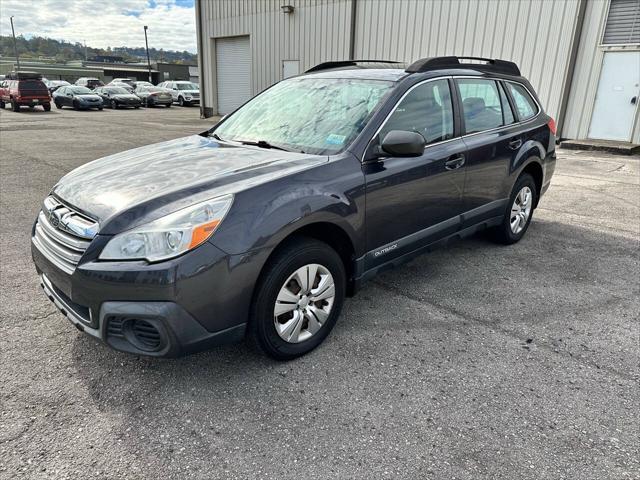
column 582, row 56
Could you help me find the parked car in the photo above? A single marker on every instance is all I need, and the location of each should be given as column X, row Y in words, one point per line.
column 115, row 97
column 126, row 86
column 53, row 85
column 24, row 89
column 183, row 92
column 89, row 82
column 80, row 98
column 152, row 96
column 264, row 223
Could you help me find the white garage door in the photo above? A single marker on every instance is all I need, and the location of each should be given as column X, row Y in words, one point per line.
column 233, row 72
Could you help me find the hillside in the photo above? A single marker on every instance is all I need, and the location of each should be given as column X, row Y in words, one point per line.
column 61, row 51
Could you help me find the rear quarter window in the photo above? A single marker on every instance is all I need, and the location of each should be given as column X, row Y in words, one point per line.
column 525, row 105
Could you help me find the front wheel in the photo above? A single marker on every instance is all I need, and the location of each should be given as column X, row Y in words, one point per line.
column 58, row 105
column 519, row 211
column 114, row 104
column 15, row 106
column 168, row 105
column 298, row 299
column 181, row 101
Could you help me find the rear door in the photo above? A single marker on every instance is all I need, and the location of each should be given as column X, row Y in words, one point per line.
column 491, row 145
column 414, row 201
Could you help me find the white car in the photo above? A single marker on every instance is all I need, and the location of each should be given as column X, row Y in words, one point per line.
column 183, row 92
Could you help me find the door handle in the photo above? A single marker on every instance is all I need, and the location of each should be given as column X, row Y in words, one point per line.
column 454, row 162
column 515, row 144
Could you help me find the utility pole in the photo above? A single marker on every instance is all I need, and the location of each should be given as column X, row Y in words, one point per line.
column 85, row 50
column 15, row 45
column 146, row 42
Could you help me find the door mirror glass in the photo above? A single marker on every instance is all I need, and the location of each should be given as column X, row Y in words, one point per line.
column 401, row 143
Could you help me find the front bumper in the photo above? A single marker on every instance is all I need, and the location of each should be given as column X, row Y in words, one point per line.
column 165, row 310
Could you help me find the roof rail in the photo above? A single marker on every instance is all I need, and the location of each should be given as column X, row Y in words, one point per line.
column 352, row 63
column 491, row 64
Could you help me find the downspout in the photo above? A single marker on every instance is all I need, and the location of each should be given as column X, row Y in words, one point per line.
column 352, row 33
column 568, row 79
column 200, row 60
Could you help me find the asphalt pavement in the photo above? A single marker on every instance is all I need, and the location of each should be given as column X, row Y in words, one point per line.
column 477, row 361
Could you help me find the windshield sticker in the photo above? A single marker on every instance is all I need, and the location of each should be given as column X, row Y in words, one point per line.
column 335, row 139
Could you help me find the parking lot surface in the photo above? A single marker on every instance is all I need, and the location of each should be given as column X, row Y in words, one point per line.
column 475, row 361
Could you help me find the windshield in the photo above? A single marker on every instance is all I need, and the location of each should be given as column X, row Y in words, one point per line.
column 118, row 90
column 80, row 90
column 187, row 86
column 311, row 115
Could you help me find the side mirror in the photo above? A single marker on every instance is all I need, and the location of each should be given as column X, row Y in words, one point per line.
column 401, row 143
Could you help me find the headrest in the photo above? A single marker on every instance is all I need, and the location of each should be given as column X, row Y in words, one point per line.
column 473, row 104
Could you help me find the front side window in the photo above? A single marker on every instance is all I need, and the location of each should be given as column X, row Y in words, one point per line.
column 426, row 110
column 481, row 105
column 524, row 103
column 312, row 115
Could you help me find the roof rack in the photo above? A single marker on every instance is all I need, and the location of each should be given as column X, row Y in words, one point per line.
column 354, row 63
column 491, row 64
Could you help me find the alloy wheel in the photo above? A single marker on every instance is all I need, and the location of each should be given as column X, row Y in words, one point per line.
column 521, row 210
column 304, row 303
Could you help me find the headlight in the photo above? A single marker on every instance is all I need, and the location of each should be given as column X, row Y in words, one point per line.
column 169, row 236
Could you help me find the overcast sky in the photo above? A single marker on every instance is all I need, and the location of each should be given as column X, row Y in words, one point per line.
column 104, row 23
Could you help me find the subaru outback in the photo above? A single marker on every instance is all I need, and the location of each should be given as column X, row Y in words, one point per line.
column 262, row 225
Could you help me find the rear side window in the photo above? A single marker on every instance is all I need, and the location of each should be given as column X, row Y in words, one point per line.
column 481, row 106
column 524, row 103
column 427, row 110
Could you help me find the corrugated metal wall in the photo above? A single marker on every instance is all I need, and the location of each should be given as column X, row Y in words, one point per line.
column 317, row 31
column 536, row 34
column 582, row 92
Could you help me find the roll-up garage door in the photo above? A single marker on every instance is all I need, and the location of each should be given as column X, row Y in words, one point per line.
column 233, row 72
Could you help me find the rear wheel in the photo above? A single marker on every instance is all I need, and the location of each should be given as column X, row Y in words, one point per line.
column 15, row 106
column 47, row 107
column 519, row 212
column 298, row 299
column 1, row 105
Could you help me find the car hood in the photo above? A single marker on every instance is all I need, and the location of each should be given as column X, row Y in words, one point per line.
column 88, row 96
column 190, row 92
column 163, row 177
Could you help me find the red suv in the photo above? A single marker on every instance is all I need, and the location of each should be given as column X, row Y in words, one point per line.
column 24, row 88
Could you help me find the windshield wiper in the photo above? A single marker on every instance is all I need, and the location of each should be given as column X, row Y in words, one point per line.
column 216, row 136
column 263, row 144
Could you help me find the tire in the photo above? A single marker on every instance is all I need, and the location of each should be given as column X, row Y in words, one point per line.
column 2, row 105
column 114, row 104
column 15, row 106
column 168, row 105
column 518, row 218
column 278, row 280
column 47, row 107
column 181, row 101
column 136, row 107
column 75, row 105
column 100, row 108
column 58, row 105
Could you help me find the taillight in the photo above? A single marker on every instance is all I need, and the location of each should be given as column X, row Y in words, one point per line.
column 552, row 125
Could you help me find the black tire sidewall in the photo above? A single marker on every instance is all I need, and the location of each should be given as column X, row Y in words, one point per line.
column 289, row 259
column 506, row 233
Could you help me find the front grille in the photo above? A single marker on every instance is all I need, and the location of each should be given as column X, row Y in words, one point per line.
column 62, row 235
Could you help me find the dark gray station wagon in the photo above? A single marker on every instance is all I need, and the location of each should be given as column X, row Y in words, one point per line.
column 262, row 225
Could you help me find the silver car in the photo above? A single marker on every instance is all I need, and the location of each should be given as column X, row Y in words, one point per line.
column 152, row 96
column 184, row 92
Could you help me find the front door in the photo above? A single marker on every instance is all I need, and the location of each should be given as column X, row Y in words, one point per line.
column 617, row 98
column 412, row 201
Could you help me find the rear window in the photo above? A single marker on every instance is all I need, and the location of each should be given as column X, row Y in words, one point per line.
column 525, row 105
column 33, row 85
